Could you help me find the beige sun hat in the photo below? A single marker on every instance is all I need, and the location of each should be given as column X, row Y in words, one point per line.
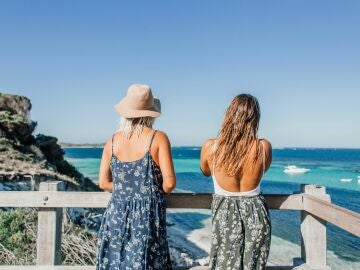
column 139, row 102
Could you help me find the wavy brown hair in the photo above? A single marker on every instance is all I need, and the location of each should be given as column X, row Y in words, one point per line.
column 238, row 134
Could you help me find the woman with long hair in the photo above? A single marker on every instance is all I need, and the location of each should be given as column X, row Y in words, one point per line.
column 137, row 167
column 237, row 160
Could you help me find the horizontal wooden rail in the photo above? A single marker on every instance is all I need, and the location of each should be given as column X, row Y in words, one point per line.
column 45, row 199
column 91, row 267
column 339, row 216
column 313, row 203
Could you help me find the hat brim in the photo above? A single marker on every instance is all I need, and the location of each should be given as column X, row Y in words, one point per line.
column 125, row 111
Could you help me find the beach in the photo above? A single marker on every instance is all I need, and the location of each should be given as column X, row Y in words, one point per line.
column 190, row 230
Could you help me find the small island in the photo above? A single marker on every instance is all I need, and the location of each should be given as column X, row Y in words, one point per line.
column 81, row 145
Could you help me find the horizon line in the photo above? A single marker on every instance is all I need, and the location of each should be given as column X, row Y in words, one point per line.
column 100, row 145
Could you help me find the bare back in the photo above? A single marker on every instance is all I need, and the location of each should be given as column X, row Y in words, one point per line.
column 135, row 148
column 251, row 175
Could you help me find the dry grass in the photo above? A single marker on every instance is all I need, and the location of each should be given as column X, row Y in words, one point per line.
column 77, row 247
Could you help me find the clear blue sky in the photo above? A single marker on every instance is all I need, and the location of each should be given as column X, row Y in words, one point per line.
column 75, row 60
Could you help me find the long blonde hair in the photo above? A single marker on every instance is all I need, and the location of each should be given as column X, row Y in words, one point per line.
column 131, row 126
column 237, row 136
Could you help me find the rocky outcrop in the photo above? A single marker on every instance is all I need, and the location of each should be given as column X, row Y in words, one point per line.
column 54, row 154
column 17, row 105
column 25, row 156
column 15, row 124
column 26, row 159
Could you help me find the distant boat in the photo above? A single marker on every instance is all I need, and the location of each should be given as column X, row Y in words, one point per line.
column 292, row 169
column 346, row 180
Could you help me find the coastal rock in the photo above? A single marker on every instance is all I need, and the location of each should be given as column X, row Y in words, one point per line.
column 16, row 127
column 49, row 147
column 23, row 154
column 18, row 105
column 54, row 154
column 15, row 123
column 26, row 160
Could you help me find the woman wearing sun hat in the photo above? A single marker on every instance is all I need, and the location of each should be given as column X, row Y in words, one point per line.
column 137, row 167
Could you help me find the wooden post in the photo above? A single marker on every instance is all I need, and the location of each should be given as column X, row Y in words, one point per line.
column 313, row 232
column 48, row 244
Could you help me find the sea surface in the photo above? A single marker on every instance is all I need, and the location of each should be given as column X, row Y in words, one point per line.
column 336, row 169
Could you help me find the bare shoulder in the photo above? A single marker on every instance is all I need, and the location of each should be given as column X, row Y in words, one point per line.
column 206, row 148
column 266, row 143
column 108, row 145
column 208, row 144
column 161, row 138
column 161, row 134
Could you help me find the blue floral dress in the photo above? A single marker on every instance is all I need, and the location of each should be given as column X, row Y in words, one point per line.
column 132, row 233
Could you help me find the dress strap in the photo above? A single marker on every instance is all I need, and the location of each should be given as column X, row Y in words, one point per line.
column 213, row 148
column 152, row 138
column 263, row 159
column 112, row 144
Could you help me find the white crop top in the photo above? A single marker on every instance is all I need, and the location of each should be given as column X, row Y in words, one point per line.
column 220, row 191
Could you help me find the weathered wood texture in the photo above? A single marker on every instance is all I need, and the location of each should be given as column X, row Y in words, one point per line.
column 48, row 241
column 339, row 216
column 313, row 232
column 203, row 200
column 91, row 267
column 314, row 204
column 45, row 199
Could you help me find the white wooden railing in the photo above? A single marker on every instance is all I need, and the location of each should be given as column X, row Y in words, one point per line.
column 313, row 203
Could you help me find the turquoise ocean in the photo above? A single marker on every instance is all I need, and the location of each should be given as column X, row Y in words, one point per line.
column 336, row 169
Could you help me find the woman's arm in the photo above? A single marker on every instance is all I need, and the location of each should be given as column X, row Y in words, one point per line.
column 204, row 157
column 166, row 162
column 105, row 177
column 268, row 153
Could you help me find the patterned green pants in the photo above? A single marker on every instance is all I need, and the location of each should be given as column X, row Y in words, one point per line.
column 241, row 233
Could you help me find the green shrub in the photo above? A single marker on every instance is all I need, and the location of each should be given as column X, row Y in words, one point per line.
column 13, row 232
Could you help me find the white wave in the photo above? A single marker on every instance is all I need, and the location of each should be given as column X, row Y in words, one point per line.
column 346, row 180
column 82, row 159
column 179, row 190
